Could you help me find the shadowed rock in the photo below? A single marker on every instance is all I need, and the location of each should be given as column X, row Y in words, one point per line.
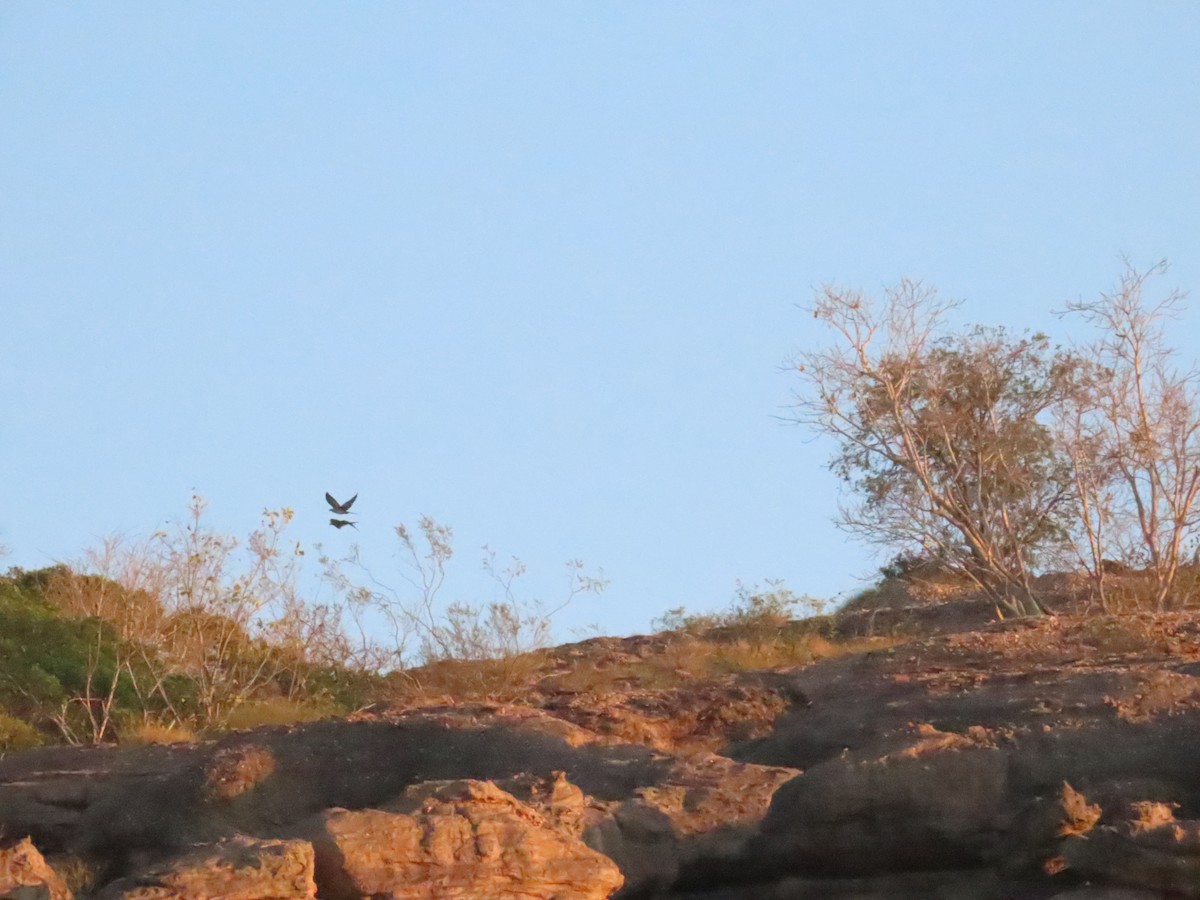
column 238, row 869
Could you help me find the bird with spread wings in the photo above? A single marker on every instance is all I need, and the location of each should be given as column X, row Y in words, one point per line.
column 340, row 509
column 336, row 507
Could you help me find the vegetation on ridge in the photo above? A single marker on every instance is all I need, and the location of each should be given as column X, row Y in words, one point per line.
column 999, row 456
column 979, row 458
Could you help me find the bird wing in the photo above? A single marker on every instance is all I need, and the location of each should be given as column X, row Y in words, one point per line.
column 349, row 503
column 333, row 504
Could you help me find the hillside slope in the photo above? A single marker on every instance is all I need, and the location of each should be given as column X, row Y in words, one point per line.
column 952, row 755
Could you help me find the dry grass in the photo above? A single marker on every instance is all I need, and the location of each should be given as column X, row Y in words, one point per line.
column 660, row 672
column 687, row 657
column 155, row 733
column 279, row 711
column 490, row 680
column 79, row 874
column 742, row 656
column 1135, row 592
column 1119, row 635
column 660, row 662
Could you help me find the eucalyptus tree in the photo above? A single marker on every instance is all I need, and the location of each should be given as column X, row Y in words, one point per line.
column 944, row 438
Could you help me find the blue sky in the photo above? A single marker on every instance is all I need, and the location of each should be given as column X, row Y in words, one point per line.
column 533, row 268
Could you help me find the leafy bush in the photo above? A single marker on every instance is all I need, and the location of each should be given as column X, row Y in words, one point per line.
column 54, row 666
column 17, row 735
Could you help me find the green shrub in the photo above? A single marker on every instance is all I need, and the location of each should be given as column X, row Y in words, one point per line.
column 16, row 734
column 45, row 657
column 47, row 660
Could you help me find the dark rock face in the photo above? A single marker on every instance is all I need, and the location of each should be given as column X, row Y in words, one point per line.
column 238, row 869
column 941, row 810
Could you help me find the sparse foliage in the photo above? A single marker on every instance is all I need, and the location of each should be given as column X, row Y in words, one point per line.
column 192, row 630
column 943, row 437
column 458, row 630
column 1136, row 441
column 187, row 626
column 116, row 596
column 221, row 613
column 58, row 673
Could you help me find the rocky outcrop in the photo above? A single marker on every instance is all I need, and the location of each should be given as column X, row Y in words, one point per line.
column 24, row 874
column 241, row 868
column 1022, row 759
column 110, row 801
column 701, row 817
column 460, row 839
column 1149, row 849
column 558, row 793
column 927, row 809
column 701, row 717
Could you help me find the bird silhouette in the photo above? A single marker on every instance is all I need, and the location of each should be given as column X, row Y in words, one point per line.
column 336, row 507
column 342, row 523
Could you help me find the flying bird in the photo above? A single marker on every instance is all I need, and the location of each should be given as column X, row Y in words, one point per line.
column 336, row 507
column 342, row 523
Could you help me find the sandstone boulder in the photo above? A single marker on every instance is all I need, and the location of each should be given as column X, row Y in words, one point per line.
column 24, row 874
column 690, row 828
column 456, row 839
column 563, row 806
